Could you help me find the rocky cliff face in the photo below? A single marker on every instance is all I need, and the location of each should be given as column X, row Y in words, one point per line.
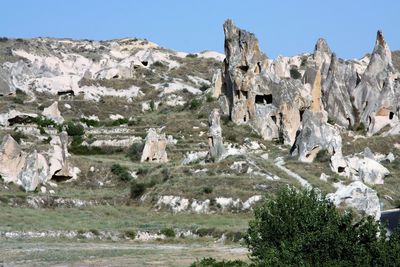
column 271, row 96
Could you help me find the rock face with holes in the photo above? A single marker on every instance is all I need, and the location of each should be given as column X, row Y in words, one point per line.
column 52, row 112
column 257, row 96
column 60, row 168
column 358, row 196
column 361, row 167
column 215, row 142
column 316, row 135
column 365, row 91
column 154, row 148
column 31, row 169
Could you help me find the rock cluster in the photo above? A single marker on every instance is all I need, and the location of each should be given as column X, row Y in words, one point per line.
column 34, row 168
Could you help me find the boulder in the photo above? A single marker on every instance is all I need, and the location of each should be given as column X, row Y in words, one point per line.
column 154, row 148
column 215, row 142
column 34, row 172
column 52, row 112
column 316, row 135
column 358, row 196
column 360, row 167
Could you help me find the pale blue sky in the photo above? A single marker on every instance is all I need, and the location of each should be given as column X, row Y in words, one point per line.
column 282, row 27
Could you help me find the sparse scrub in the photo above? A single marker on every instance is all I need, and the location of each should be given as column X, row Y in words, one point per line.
column 121, row 172
column 137, row 189
column 168, row 232
column 195, row 104
column 131, row 234
column 74, row 129
column 135, row 151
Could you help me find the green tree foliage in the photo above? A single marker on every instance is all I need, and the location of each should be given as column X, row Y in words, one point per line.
column 302, row 228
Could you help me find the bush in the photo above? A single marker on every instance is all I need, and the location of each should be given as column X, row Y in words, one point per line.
column 137, row 189
column 17, row 135
column 302, row 228
column 323, row 156
column 210, row 98
column 121, row 172
column 119, row 122
column 131, row 234
column 90, row 123
column 152, row 105
column 191, row 55
column 135, row 151
column 195, row 104
column 207, row 190
column 75, row 129
column 168, row 232
column 44, row 122
column 211, row 262
column 166, row 174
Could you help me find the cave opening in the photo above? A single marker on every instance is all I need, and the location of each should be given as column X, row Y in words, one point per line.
column 244, row 68
column 391, row 114
column 263, row 99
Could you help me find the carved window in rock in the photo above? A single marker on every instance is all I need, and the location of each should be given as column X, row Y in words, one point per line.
column 263, row 99
column 301, row 112
column 391, row 114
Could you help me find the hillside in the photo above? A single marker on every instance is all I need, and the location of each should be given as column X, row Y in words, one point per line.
column 125, row 140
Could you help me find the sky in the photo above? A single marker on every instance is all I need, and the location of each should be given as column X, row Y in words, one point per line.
column 282, row 27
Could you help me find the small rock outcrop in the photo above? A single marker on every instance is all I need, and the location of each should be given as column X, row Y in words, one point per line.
column 215, row 142
column 154, row 148
column 52, row 112
column 32, row 169
column 358, row 196
column 360, row 167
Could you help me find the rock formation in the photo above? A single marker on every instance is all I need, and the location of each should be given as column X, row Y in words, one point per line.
column 52, row 112
column 215, row 143
column 257, row 97
column 316, row 135
column 154, row 148
column 31, row 169
column 358, row 196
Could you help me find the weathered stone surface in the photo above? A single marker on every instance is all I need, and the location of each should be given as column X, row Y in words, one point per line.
column 35, row 171
column 12, row 159
column 358, row 196
column 215, row 142
column 60, row 168
column 316, row 135
column 52, row 112
column 216, row 84
column 360, row 167
column 154, row 148
column 256, row 96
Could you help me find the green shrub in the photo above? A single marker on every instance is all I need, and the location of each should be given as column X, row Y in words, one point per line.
column 323, row 156
column 121, row 172
column 152, row 105
column 191, row 55
column 119, row 122
column 303, row 228
column 195, row 104
column 90, row 123
column 137, row 189
column 17, row 135
column 207, row 190
column 168, row 232
column 211, row 262
column 131, row 234
column 143, row 171
column 75, row 129
column 166, row 174
column 79, row 149
column 135, row 151
column 44, row 122
column 18, row 100
column 210, row 98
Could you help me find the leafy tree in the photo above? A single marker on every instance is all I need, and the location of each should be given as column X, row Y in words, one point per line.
column 302, row 228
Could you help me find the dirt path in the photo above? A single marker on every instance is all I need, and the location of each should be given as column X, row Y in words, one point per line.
column 67, row 253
